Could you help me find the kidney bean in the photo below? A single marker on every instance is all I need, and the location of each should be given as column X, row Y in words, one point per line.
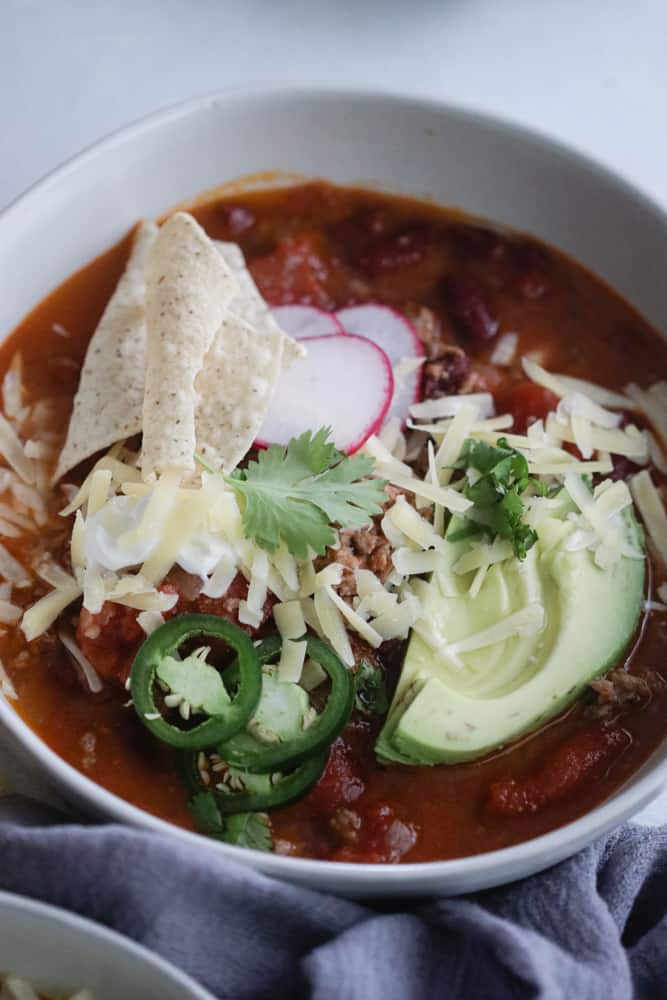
column 402, row 249
column 469, row 308
column 446, row 374
column 478, row 242
column 357, row 231
column 531, row 266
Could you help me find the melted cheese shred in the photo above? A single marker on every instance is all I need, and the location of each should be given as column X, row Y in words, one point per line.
column 650, row 506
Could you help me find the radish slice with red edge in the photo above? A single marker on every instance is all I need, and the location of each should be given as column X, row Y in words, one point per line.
column 306, row 321
column 398, row 339
column 345, row 382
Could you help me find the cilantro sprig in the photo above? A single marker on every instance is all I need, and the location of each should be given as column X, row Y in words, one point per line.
column 243, row 829
column 370, row 696
column 296, row 493
column 496, row 492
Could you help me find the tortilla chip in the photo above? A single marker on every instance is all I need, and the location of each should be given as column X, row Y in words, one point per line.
column 241, row 371
column 251, row 307
column 108, row 403
column 188, row 289
column 235, row 386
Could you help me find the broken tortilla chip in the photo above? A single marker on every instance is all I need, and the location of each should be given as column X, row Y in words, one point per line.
column 251, row 307
column 188, row 289
column 235, row 387
column 108, row 403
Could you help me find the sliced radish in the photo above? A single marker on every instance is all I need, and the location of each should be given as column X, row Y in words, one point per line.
column 306, row 321
column 398, row 339
column 344, row 382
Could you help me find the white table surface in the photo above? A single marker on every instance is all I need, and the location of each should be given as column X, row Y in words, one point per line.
column 591, row 72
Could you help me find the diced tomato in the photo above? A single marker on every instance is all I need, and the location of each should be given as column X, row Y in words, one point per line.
column 300, row 269
column 527, row 403
column 341, row 782
column 110, row 639
column 577, row 762
column 488, row 378
column 380, row 839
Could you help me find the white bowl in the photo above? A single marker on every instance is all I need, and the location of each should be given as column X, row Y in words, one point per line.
column 485, row 167
column 60, row 953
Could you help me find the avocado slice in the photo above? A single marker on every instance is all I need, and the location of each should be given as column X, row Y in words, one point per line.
column 444, row 712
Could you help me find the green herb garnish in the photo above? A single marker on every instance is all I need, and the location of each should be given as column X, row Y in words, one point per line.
column 243, row 829
column 370, row 692
column 296, row 493
column 497, row 494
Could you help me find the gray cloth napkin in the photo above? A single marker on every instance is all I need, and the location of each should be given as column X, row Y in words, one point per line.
column 592, row 927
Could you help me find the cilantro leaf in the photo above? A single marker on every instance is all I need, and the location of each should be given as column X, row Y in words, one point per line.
column 370, row 692
column 243, row 829
column 194, row 681
column 496, row 492
column 296, row 493
column 249, row 830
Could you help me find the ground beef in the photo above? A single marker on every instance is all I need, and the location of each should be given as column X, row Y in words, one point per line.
column 428, row 328
column 620, row 690
column 365, row 548
column 447, row 374
column 226, row 606
column 346, row 824
column 447, row 369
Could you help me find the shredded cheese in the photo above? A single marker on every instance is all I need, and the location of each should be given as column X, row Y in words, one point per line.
column 413, row 526
column 85, row 668
column 290, row 664
column 289, row 619
column 13, row 451
column 100, row 483
column 449, row 406
column 150, row 620
column 12, row 570
column 650, row 506
column 38, row 618
column 505, row 350
column 6, row 686
column 562, row 385
column 332, row 626
column 354, row 620
column 312, row 675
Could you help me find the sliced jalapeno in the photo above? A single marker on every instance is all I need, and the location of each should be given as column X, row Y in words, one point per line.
column 230, row 715
column 245, row 751
column 259, row 793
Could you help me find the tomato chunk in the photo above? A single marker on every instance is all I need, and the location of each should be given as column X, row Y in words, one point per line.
column 300, row 269
column 341, row 782
column 379, row 838
column 111, row 638
column 577, row 762
column 527, row 403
